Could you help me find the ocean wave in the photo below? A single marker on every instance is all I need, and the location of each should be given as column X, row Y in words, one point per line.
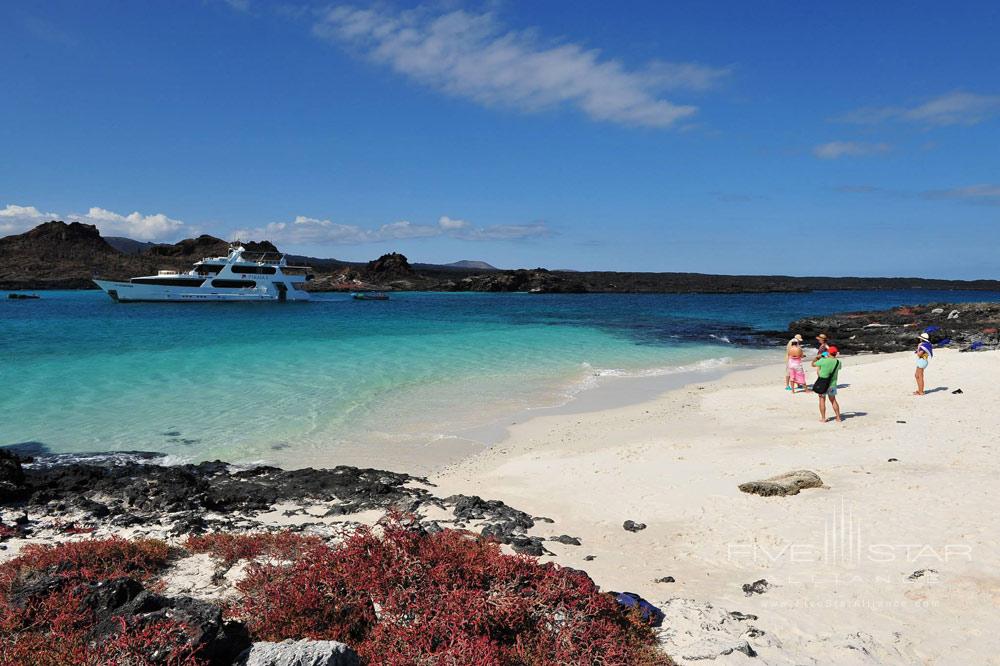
column 705, row 364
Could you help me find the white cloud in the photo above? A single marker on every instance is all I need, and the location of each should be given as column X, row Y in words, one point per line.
column 446, row 222
column 134, row 225
column 954, row 108
column 473, row 56
column 312, row 231
column 837, row 149
column 16, row 219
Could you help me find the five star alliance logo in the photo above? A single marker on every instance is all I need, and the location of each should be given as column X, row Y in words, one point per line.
column 844, row 544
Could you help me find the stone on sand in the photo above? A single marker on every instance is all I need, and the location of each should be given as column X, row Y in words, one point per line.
column 789, row 483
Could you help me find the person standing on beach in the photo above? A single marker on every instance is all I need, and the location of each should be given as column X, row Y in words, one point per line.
column 828, row 366
column 924, row 352
column 796, row 373
column 821, row 347
column 797, row 340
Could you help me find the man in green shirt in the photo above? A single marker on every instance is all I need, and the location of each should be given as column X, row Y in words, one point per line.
column 828, row 365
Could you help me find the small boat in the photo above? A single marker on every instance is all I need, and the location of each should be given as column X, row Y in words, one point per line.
column 22, row 297
column 239, row 276
column 370, row 296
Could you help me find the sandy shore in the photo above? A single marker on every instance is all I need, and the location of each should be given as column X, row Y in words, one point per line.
column 840, row 561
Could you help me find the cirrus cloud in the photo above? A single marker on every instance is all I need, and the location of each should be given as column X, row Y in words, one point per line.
column 305, row 230
column 984, row 194
column 954, row 108
column 473, row 56
column 837, row 149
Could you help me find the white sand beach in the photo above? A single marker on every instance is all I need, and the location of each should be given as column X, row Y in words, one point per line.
column 910, row 485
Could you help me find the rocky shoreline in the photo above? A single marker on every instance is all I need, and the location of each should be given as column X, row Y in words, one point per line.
column 963, row 326
column 128, row 508
column 172, row 500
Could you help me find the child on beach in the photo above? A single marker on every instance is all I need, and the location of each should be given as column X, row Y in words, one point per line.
column 924, row 352
column 828, row 366
column 796, row 373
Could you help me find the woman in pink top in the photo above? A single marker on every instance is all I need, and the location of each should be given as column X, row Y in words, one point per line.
column 796, row 373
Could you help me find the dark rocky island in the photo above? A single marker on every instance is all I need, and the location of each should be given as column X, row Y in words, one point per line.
column 56, row 255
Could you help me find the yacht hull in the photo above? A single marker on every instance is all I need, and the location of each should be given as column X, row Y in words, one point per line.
column 130, row 292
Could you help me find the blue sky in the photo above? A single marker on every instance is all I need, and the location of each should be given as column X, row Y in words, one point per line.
column 720, row 137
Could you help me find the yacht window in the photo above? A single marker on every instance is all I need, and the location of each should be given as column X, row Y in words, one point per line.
column 234, row 284
column 169, row 282
column 253, row 270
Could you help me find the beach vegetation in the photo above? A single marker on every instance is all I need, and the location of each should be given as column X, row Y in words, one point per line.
column 231, row 548
column 49, row 606
column 399, row 595
column 395, row 593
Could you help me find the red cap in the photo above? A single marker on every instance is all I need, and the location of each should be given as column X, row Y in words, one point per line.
column 833, row 350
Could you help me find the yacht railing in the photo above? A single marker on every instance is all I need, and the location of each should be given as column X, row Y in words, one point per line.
column 263, row 257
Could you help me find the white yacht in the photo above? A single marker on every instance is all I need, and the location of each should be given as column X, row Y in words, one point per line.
column 240, row 276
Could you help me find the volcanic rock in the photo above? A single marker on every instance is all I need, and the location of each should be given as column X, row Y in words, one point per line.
column 392, row 266
column 756, row 587
column 789, row 483
column 566, row 539
column 632, row 526
column 299, row 653
column 965, row 325
column 11, row 477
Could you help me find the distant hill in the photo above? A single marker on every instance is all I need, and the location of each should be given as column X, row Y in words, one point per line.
column 476, row 265
column 128, row 245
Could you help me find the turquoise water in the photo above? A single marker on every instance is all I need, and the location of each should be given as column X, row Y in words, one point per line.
column 293, row 383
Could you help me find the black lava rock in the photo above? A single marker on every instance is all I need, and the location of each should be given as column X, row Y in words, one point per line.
column 565, row 539
column 11, row 477
column 756, row 587
column 969, row 326
column 632, row 526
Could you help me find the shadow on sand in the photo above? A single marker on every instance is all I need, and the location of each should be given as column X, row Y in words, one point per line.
column 936, row 389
